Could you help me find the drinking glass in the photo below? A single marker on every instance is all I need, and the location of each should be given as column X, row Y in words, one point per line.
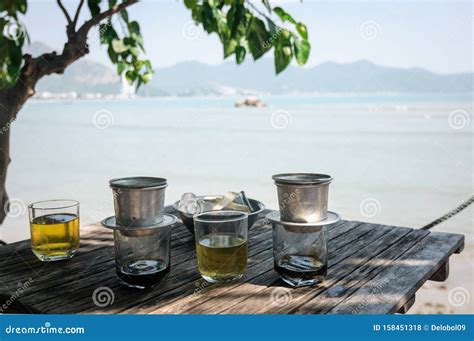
column 142, row 255
column 54, row 226
column 221, row 245
column 300, row 253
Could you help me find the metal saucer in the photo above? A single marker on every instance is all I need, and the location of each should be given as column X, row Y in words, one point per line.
column 332, row 218
column 134, row 231
column 275, row 218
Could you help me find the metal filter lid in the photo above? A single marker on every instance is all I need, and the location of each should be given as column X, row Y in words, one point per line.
column 301, row 179
column 138, row 182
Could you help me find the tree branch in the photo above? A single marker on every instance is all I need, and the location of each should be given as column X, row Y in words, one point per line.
column 66, row 14
column 78, row 11
column 99, row 17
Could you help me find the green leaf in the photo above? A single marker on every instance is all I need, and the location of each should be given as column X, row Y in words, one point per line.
column 258, row 38
column 124, row 15
column 302, row 30
column 283, row 53
column 272, row 27
column 240, row 54
column 301, row 48
column 213, row 3
column 229, row 47
column 94, row 7
column 130, row 76
column 190, row 3
column 208, row 20
column 284, row 16
column 119, row 46
column 134, row 51
column 112, row 54
column 196, row 13
column 107, row 33
column 134, row 27
column 121, row 67
column 146, row 77
column 22, row 6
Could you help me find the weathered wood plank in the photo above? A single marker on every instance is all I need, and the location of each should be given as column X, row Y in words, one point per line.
column 336, row 294
column 341, row 263
column 403, row 277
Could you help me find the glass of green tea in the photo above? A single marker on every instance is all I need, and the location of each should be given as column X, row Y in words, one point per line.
column 54, row 226
column 221, row 245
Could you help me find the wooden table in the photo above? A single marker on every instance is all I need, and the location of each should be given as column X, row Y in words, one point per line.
column 374, row 269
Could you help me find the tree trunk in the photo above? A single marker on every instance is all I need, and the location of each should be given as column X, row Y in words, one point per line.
column 4, row 161
column 11, row 101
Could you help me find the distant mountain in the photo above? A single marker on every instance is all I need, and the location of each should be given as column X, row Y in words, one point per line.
column 197, row 79
column 193, row 78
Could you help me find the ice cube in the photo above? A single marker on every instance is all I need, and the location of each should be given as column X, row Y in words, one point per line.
column 188, row 196
column 204, row 206
column 191, row 208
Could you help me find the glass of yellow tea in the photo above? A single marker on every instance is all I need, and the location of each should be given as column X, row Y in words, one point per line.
column 54, row 226
column 221, row 245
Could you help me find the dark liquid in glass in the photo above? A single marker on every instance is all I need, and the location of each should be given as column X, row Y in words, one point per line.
column 143, row 273
column 299, row 270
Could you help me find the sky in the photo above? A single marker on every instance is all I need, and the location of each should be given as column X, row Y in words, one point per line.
column 435, row 35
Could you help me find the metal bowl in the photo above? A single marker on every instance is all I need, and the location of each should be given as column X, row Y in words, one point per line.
column 188, row 218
